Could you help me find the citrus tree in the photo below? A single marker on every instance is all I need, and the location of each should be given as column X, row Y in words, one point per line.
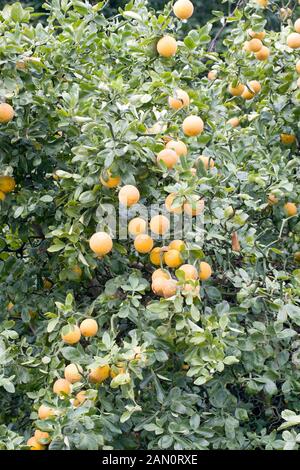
column 149, row 341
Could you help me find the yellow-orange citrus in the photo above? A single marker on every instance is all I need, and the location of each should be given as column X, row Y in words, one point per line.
column 129, row 195
column 178, row 245
column 6, row 113
column 178, row 146
column 169, row 157
column 159, row 224
column 183, row 9
column 255, row 45
column 7, row 183
column 73, row 373
column 89, row 327
column 137, row 226
column 99, row 374
column 189, row 271
column 234, row 121
column 205, row 271
column 290, row 209
column 71, row 334
column 39, row 435
column 156, row 256
column 287, row 139
column 169, row 203
column 62, row 386
column 143, row 243
column 160, row 273
column 173, row 258
column 236, row 90
column 192, row 126
column 34, row 444
column 263, row 53
column 167, row 46
column 45, row 412
column 194, row 208
column 101, row 243
column 179, row 99
column 293, row 40
column 108, row 180
column 169, row 288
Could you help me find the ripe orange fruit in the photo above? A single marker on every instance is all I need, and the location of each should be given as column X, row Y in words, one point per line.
column 116, row 370
column 190, row 272
column 178, row 245
column 192, row 126
column 205, row 271
column 62, row 386
column 297, row 25
column 293, row 40
column 99, row 374
column 169, row 203
column 272, row 199
column 236, row 90
column 255, row 45
column 287, row 139
column 253, row 87
column 167, row 46
column 7, row 184
column 183, row 9
column 143, row 243
column 6, row 113
column 194, row 208
column 169, row 157
column 108, row 180
column 80, row 398
column 212, row 75
column 178, row 146
column 159, row 224
column 41, row 435
column 71, row 334
column 257, row 34
column 298, row 66
column 169, row 288
column 262, row 3
column 73, row 373
column 34, row 444
column 179, row 99
column 290, row 209
column 234, row 121
column 157, row 285
column 89, row 327
column 137, row 226
column 129, row 195
column 207, row 161
column 160, row 273
column 263, row 53
column 101, row 243
column 155, row 256
column 173, row 258
column 45, row 412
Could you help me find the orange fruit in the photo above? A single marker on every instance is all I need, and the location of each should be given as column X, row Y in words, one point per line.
column 45, row 412
column 62, row 386
column 178, row 146
column 89, row 327
column 80, row 398
column 205, row 271
column 108, row 180
column 263, row 53
column 257, row 34
column 297, row 25
column 6, row 113
column 179, row 99
column 255, row 45
column 101, row 243
column 137, row 226
column 178, row 245
column 183, row 9
column 192, row 126
column 190, row 289
column 116, row 370
column 155, row 256
column 190, row 272
column 173, row 258
column 157, row 285
column 293, row 40
column 129, row 195
column 212, row 75
column 73, row 373
column 169, row 157
column 290, row 209
column 160, row 273
column 169, row 203
column 234, row 121
column 262, row 3
column 159, row 224
column 143, row 243
column 41, row 435
column 298, row 66
column 195, row 208
column 167, row 46
column 34, row 444
column 99, row 374
column 169, row 288
column 7, row 184
column 236, row 90
column 71, row 334
column 207, row 161
column 287, row 139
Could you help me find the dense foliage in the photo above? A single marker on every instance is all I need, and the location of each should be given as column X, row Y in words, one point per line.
column 216, row 370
